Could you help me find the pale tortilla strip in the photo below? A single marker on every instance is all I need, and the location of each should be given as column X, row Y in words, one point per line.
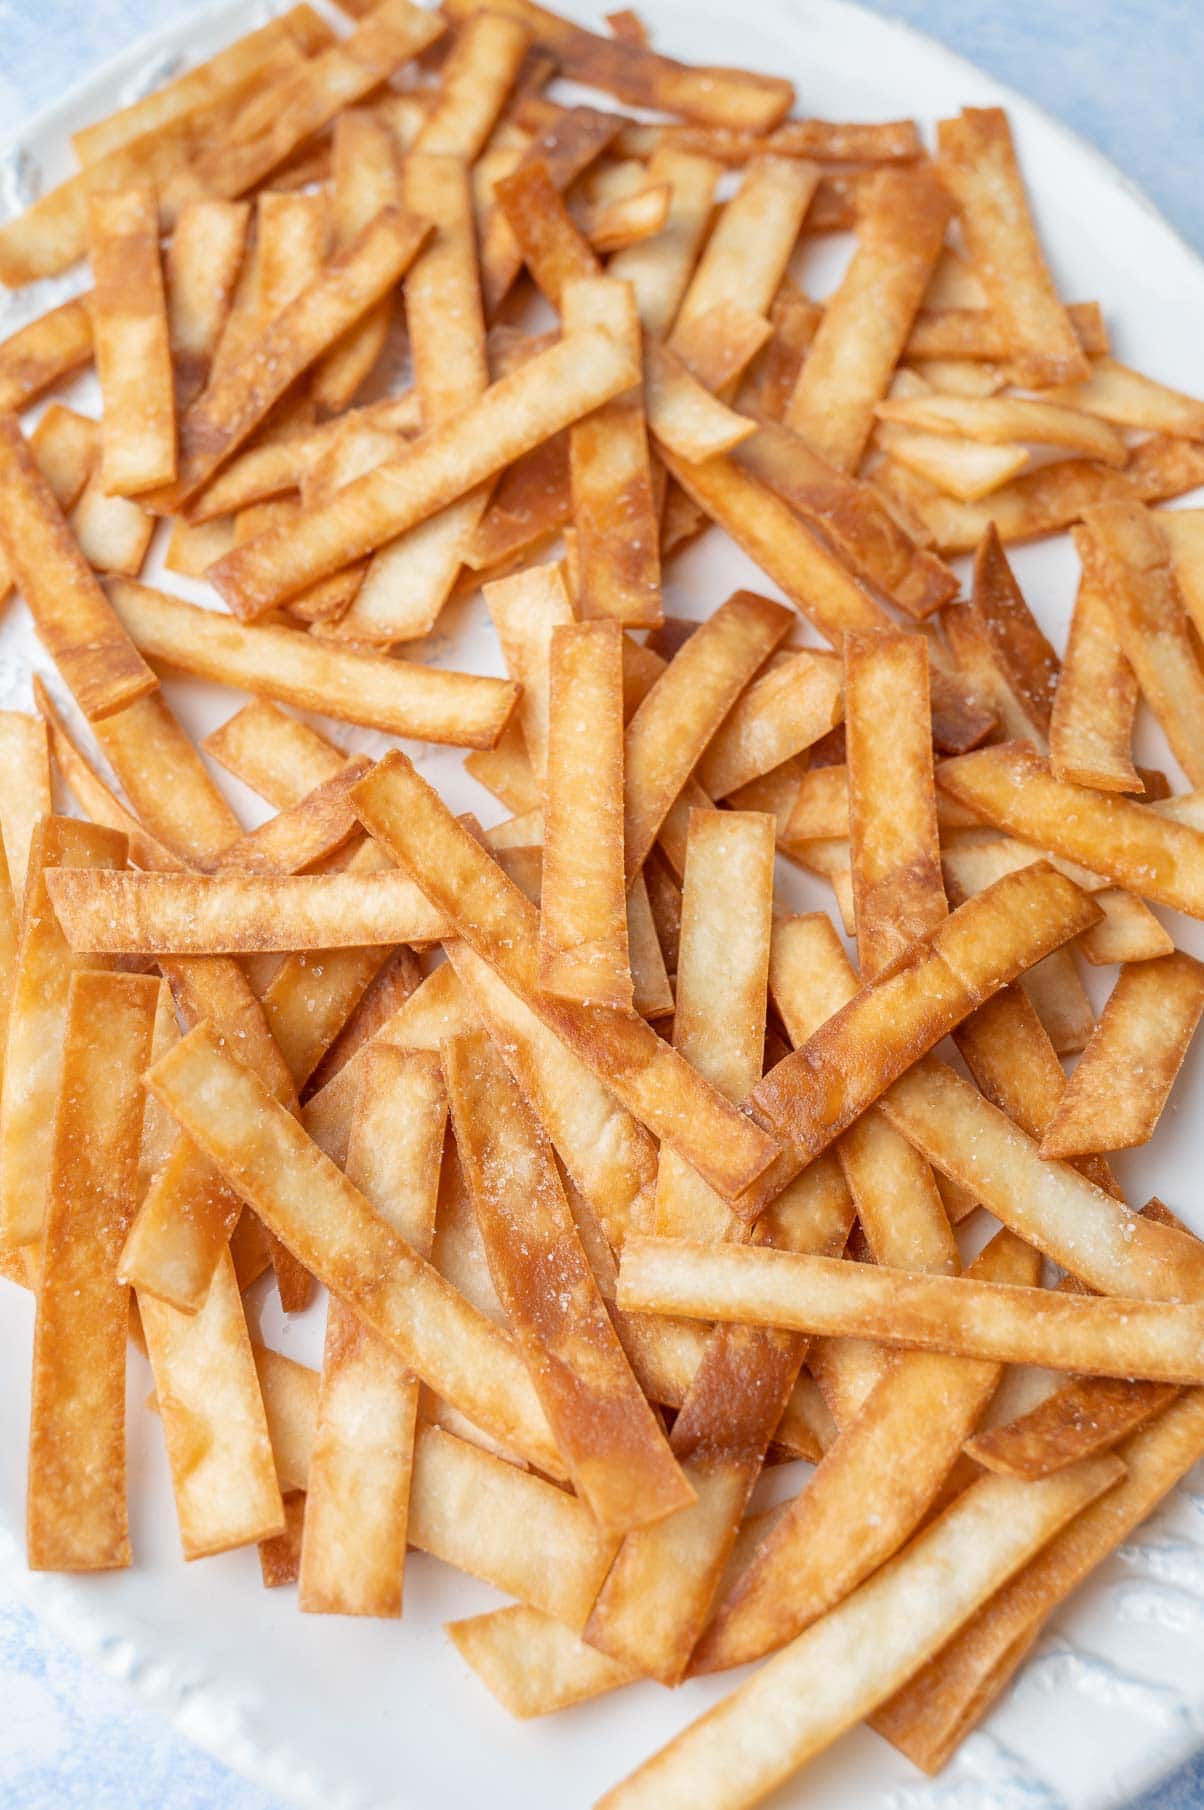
column 1119, row 1089
column 577, row 374
column 37, row 1025
column 77, row 1517
column 130, row 335
column 368, row 689
column 474, row 84
column 39, row 355
column 113, row 532
column 200, row 272
column 1133, row 564
column 167, row 782
column 1000, row 420
column 613, row 1447
column 963, row 469
column 719, row 97
column 25, row 794
column 96, row 657
column 583, row 946
column 401, row 810
column 1091, row 729
column 901, row 227
column 264, row 1153
column 208, row 1395
column 775, row 717
column 839, row 1671
column 659, row 267
column 365, row 179
column 354, row 1543
column 236, row 913
column 1114, row 392
column 531, row 1663
column 981, row 334
column 1134, row 847
column 978, row 162
column 751, row 242
column 625, row 219
column 275, row 754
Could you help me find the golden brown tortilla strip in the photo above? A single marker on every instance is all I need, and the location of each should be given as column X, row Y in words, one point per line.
column 280, row 1555
column 275, row 754
column 615, row 1451
column 38, row 355
column 583, row 951
column 659, row 267
column 750, row 245
column 1147, row 853
column 353, row 1548
column 306, row 837
column 1119, row 1090
column 1091, row 727
column 894, row 843
column 96, row 657
column 978, row 162
column 201, row 269
column 76, row 1506
column 398, row 698
column 574, row 139
column 982, row 334
column 901, row 227
column 720, row 97
column 402, row 811
column 365, row 179
column 1113, row 392
column 1003, row 420
column 532, row 1663
column 943, row 1701
column 474, row 84
column 25, row 793
column 130, row 335
column 1086, row 1415
column 167, row 782
column 775, row 717
column 1133, row 564
column 626, row 219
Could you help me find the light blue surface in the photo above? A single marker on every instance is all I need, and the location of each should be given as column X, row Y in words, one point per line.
column 1125, row 74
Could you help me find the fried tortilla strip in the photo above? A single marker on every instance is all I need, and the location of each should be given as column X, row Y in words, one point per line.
column 963, row 469
column 275, row 123
column 943, row 1702
column 672, row 727
column 713, row 97
column 353, row 1548
column 627, row 218
column 200, row 272
column 612, row 1445
column 983, row 335
column 1001, row 420
column 659, row 267
column 1028, row 665
column 818, row 1091
column 978, row 163
column 722, row 974
column 750, row 245
column 1133, row 564
column 894, row 843
column 474, row 84
column 901, row 227
column 37, row 1025
column 366, row 179
column 1085, row 1416
column 526, row 610
column 1050, row 1204
column 1091, row 728
column 575, row 375
column 364, row 688
column 96, row 657
column 1003, row 1323
column 208, row 1395
column 873, row 1487
column 267, row 1158
column 76, row 1509
column 113, row 532
column 39, row 355
column 167, row 782
column 583, row 951
column 531, row 1663
column 1143, row 1035
column 240, row 913
column 1183, row 531
column 280, row 1556
column 554, row 249
column 275, row 754
column 574, row 138
column 133, row 354
column 1113, row 392
column 1139, row 849
column 25, row 793
column 300, row 28
column 775, row 717
column 531, row 502
column 237, row 400
column 459, row 876
column 843, row 1668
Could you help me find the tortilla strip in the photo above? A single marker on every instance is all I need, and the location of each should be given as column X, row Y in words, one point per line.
column 894, row 842
column 308, row 836
column 167, row 783
column 1143, row 1034
column 1113, row 392
column 627, row 218
column 49, row 348
column 614, row 1449
column 1145, row 852
column 353, row 1547
column 264, row 1153
column 201, row 269
column 474, row 83
column 775, row 717
column 275, row 754
column 1091, row 730
column 677, row 719
column 719, row 97
column 1084, row 1416
column 941, row 1704
column 402, row 811
column 74, row 622
column 750, row 245
column 368, row 689
column 583, row 950
column 531, row 1663
column 577, row 374
column 1028, row 663
column 235, row 913
column 25, row 792
column 978, row 162
column 64, row 446
column 77, row 1519
column 659, row 268
column 844, row 1667
column 983, row 335
column 1001, row 420
column 818, row 1091
column 1133, row 565
column 901, row 227
column 133, row 355
column 209, row 1400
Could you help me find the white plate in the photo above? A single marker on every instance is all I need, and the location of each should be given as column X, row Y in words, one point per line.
column 347, row 1715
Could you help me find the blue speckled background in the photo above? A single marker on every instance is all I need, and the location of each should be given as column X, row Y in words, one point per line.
column 1124, row 73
